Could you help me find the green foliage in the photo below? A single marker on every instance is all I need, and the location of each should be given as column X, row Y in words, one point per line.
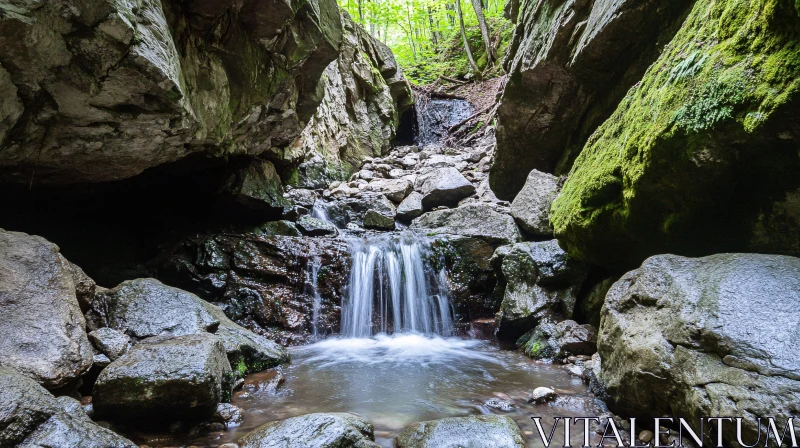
column 712, row 103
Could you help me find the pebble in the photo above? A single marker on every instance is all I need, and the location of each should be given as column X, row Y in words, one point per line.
column 542, row 395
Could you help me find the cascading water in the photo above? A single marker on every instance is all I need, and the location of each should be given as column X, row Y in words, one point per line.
column 312, row 274
column 435, row 117
column 393, row 288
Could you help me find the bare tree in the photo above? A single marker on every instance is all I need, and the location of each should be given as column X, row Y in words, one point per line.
column 466, row 42
column 477, row 5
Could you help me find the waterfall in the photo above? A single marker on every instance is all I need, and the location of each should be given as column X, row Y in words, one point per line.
column 318, row 211
column 393, row 288
column 312, row 272
column 435, row 117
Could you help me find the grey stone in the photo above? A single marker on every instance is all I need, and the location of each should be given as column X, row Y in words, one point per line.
column 165, row 379
column 347, row 210
column 328, row 430
column 556, row 341
column 394, row 189
column 43, row 334
column 377, row 220
column 715, row 336
column 110, row 342
column 478, row 431
column 474, row 220
column 316, row 227
column 411, row 207
column 443, row 186
column 255, row 185
column 531, row 206
column 542, row 395
column 229, row 415
column 31, row 417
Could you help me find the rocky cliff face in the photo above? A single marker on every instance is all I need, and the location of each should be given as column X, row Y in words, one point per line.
column 101, row 90
column 365, row 94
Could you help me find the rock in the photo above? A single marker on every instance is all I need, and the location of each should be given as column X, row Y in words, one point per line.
column 725, row 342
column 366, row 85
column 274, row 228
column 173, row 379
column 85, row 287
column 229, row 415
column 443, row 186
column 531, row 207
column 301, row 196
column 561, row 86
column 394, row 189
column 376, row 220
column 542, row 395
column 470, row 276
column 328, row 430
column 316, row 227
column 646, row 436
column 474, row 431
column 43, row 334
column 30, row 416
column 556, row 341
column 100, row 360
column 347, row 210
column 411, row 207
column 473, row 220
column 110, row 342
column 143, row 85
column 540, row 280
column 502, row 405
column 343, row 191
column 255, row 185
column 698, row 176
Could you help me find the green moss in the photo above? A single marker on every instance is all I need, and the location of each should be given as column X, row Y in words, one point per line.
column 661, row 163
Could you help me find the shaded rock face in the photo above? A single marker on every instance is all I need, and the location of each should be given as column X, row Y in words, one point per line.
column 256, row 185
column 556, row 341
column 701, row 156
column 366, row 86
column 30, row 416
column 43, row 334
column 475, row 431
column 531, row 207
column 103, row 90
column 165, row 379
column 261, row 282
column 569, row 64
column 538, row 280
column 473, row 220
column 725, row 342
column 322, row 430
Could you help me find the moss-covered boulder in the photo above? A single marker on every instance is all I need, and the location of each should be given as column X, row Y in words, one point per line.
column 555, row 341
column 701, row 155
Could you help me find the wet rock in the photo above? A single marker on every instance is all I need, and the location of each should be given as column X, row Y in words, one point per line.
column 347, row 210
column 443, row 186
column 542, row 395
column 472, row 220
column 411, row 207
column 556, row 341
column 43, row 334
column 30, row 416
column 394, row 189
column 172, row 379
column 301, row 196
column 531, row 206
column 110, row 342
column 277, row 228
column 502, row 405
column 724, row 345
column 470, row 275
column 377, row 220
column 539, row 280
column 328, row 430
column 256, row 185
column 474, row 431
column 316, row 227
column 228, row 414
column 646, row 436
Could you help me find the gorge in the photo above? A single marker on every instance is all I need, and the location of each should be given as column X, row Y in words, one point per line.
column 240, row 224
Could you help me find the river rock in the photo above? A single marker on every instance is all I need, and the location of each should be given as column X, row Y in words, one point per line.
column 228, row 414
column 724, row 342
column 411, row 207
column 394, row 189
column 470, row 276
column 477, row 431
column 531, row 207
column 110, row 342
column 474, row 220
column 542, row 395
column 165, row 379
column 316, row 227
column 442, row 186
column 31, row 417
column 255, row 185
column 43, row 334
column 556, row 341
column 377, row 220
column 322, row 430
column 353, row 209
column 301, row 196
column 540, row 280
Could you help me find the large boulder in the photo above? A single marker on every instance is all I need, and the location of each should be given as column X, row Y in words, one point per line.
column 145, row 308
column 411, row 207
column 442, row 187
column 254, row 184
column 103, row 90
column 569, row 65
column 701, row 156
column 539, row 280
column 470, row 277
column 477, row 431
column 43, row 334
column 343, row 211
column 329, row 430
column 473, row 220
column 31, row 417
column 714, row 336
column 531, row 207
column 394, row 189
column 165, row 379
column 316, row 227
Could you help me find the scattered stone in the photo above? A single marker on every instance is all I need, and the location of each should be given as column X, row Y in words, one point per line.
column 542, row 395
column 100, row 360
column 646, row 436
column 228, row 414
column 477, row 431
column 316, row 227
column 322, row 430
column 411, row 207
column 394, row 189
column 302, row 197
column 443, row 186
column 531, row 206
column 110, row 342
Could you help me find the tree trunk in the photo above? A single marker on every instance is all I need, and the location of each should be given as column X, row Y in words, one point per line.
column 434, row 37
column 466, row 42
column 477, row 5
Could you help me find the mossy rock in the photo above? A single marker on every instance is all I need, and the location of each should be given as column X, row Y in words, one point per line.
column 697, row 151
